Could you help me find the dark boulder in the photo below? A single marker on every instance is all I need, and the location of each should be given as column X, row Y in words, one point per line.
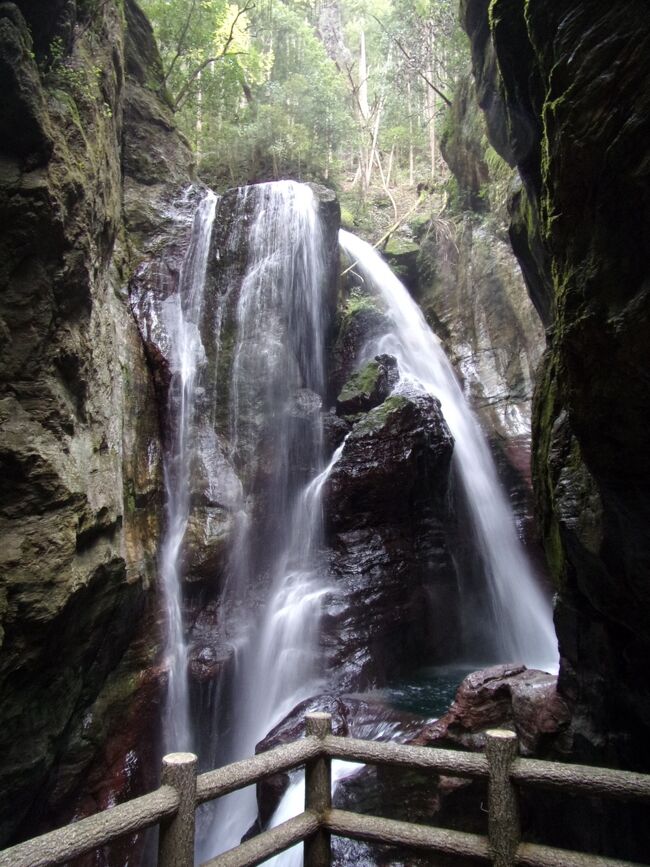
column 405, row 440
column 500, row 696
column 335, row 429
column 387, row 517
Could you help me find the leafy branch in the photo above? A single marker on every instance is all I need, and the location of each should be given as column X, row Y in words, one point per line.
column 186, row 88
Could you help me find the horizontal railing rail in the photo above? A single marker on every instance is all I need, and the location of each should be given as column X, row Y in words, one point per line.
column 173, row 805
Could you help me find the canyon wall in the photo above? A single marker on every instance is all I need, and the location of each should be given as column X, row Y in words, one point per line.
column 566, row 92
column 89, row 160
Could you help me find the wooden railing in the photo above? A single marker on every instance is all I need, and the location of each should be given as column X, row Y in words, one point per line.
column 173, row 805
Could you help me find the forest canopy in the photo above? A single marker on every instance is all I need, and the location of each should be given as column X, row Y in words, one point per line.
column 351, row 92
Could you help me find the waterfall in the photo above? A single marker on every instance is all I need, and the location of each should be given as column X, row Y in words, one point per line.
column 181, row 314
column 518, row 619
column 277, row 375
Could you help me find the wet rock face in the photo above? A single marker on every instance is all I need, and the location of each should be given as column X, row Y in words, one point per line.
column 476, row 302
column 502, row 695
column 359, row 320
column 386, row 517
column 575, row 103
column 462, row 146
column 80, row 460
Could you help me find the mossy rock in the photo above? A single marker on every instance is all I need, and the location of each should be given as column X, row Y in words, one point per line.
column 368, row 387
column 347, row 218
column 379, row 416
column 400, row 247
column 402, row 256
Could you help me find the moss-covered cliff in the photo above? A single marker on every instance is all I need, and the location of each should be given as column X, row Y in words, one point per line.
column 566, row 89
column 87, row 153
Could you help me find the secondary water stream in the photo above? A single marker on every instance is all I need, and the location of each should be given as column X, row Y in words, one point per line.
column 518, row 622
column 182, row 313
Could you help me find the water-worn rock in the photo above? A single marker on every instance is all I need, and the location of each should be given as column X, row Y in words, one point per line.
column 503, row 695
column 475, row 299
column 386, row 512
column 574, row 107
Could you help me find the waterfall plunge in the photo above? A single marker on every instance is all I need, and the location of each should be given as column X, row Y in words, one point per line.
column 278, row 351
column 278, row 358
column 181, row 317
column 519, row 616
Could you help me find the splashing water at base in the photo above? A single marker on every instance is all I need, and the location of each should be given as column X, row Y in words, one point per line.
column 293, row 803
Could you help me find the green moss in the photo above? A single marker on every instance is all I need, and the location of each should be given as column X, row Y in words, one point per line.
column 129, row 498
column 347, row 218
column 361, row 383
column 400, row 247
column 377, row 418
column 357, row 301
column 418, row 225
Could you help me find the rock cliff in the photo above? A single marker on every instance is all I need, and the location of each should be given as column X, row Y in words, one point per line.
column 566, row 91
column 88, row 155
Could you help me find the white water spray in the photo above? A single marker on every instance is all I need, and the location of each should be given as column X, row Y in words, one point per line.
column 520, row 616
column 181, row 314
column 278, row 361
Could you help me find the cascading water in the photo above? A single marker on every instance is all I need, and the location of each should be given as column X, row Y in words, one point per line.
column 181, row 315
column 519, row 622
column 275, row 431
column 268, row 328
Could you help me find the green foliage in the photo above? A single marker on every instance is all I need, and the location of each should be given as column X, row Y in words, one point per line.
column 262, row 91
column 80, row 80
column 254, row 90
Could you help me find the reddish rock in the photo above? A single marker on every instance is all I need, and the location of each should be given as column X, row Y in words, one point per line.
column 523, row 699
column 501, row 696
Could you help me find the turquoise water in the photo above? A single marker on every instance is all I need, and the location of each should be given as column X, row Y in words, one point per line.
column 428, row 693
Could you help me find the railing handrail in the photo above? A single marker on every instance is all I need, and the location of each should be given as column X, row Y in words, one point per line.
column 90, row 833
column 238, row 775
column 173, row 804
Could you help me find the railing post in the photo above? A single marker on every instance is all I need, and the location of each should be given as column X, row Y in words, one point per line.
column 503, row 811
column 318, row 792
column 176, row 842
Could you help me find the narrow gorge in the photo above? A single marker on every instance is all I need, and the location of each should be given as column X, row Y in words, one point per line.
column 267, row 451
